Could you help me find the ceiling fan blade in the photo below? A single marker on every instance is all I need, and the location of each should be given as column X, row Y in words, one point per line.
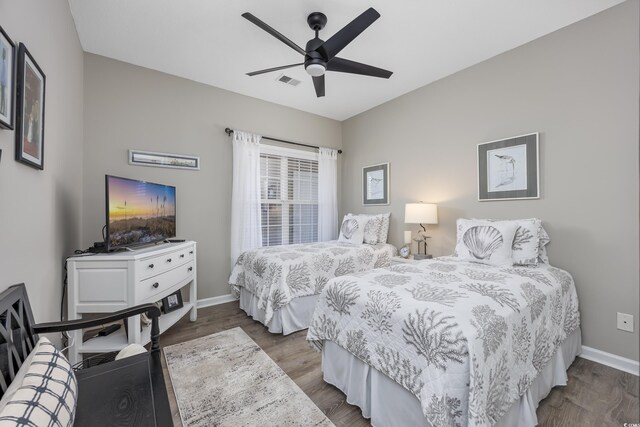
column 345, row 66
column 342, row 38
column 268, row 70
column 318, row 83
column 273, row 32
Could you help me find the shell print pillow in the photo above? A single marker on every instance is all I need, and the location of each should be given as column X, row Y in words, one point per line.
column 485, row 242
column 352, row 229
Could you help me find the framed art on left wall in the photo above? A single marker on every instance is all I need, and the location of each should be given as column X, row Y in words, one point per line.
column 30, row 110
column 7, row 83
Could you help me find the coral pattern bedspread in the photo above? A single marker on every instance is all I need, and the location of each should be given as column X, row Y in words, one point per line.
column 277, row 274
column 467, row 339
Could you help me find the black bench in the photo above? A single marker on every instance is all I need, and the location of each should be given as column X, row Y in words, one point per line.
column 125, row 392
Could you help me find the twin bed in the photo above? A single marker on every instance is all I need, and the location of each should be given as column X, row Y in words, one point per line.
column 279, row 286
column 455, row 341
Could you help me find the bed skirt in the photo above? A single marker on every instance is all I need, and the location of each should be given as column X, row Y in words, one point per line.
column 293, row 317
column 387, row 403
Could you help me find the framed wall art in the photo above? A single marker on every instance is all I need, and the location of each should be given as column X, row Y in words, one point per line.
column 29, row 110
column 375, row 185
column 7, row 82
column 508, row 169
column 163, row 160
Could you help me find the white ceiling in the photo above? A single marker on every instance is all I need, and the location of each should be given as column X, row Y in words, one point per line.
column 419, row 40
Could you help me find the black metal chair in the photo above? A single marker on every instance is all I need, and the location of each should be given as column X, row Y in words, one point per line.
column 125, row 392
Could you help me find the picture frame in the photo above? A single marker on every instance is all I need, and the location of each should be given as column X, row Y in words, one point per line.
column 509, row 169
column 7, row 80
column 30, row 109
column 375, row 185
column 172, row 302
column 163, row 160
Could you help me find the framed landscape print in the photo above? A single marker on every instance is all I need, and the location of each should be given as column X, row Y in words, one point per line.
column 29, row 110
column 509, row 169
column 7, row 83
column 375, row 184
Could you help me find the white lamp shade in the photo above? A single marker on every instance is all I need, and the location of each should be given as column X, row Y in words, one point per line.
column 421, row 213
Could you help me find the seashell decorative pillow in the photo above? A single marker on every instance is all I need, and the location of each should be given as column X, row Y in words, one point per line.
column 352, row 229
column 486, row 242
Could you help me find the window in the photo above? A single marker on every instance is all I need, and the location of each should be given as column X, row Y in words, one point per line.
column 289, row 193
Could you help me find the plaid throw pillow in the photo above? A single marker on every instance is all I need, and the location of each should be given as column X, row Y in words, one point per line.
column 48, row 394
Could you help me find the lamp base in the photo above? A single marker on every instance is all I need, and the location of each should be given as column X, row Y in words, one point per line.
column 422, row 256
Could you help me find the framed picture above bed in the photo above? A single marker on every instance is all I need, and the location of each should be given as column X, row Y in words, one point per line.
column 508, row 169
column 375, row 185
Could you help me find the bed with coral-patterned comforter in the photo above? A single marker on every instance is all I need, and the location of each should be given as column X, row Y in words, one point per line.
column 276, row 275
column 466, row 339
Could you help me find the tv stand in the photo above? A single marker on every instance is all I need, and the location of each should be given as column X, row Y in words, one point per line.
column 108, row 282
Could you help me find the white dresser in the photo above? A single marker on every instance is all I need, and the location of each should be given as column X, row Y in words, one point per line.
column 104, row 283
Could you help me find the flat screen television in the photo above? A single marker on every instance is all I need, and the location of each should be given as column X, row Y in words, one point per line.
column 138, row 212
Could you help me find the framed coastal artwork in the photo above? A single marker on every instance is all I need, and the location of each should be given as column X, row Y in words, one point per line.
column 375, row 184
column 29, row 110
column 163, row 160
column 508, row 169
column 7, row 83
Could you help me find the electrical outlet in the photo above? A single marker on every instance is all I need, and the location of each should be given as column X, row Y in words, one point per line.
column 625, row 322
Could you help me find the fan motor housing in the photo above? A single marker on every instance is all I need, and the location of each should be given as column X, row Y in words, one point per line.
column 317, row 21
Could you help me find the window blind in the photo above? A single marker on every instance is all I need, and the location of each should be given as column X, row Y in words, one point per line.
column 289, row 193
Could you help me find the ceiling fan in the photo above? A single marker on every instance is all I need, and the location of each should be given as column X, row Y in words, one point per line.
column 319, row 55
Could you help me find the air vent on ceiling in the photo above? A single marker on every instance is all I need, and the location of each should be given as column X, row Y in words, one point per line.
column 288, row 80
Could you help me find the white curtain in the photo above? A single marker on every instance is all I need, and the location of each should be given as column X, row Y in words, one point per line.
column 327, row 194
column 246, row 227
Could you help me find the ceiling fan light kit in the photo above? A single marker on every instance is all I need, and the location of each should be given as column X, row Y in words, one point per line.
column 319, row 55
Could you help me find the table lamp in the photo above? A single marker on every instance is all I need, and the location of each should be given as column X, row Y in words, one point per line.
column 421, row 213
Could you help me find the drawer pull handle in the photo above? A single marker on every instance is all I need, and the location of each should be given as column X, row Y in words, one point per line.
column 155, row 285
column 181, row 255
column 150, row 265
column 190, row 269
column 190, row 252
column 168, row 259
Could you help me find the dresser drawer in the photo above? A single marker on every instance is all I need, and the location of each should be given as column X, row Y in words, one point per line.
column 151, row 286
column 150, row 267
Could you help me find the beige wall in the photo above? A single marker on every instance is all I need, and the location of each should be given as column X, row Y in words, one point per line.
column 40, row 211
column 578, row 87
column 132, row 107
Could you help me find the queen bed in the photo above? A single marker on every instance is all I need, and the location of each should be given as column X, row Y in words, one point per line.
column 279, row 285
column 448, row 342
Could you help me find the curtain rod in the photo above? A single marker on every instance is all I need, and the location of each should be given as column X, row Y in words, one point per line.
column 229, row 131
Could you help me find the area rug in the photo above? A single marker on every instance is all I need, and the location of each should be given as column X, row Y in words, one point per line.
column 225, row 379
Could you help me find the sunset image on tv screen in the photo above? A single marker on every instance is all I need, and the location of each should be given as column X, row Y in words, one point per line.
column 139, row 212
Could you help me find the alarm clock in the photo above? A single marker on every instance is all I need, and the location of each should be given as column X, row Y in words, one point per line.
column 405, row 251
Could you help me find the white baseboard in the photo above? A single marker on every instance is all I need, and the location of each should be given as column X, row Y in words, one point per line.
column 208, row 302
column 608, row 359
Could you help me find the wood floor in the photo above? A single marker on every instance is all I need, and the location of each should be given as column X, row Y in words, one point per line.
column 595, row 396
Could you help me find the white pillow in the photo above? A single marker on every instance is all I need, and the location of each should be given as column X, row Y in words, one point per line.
column 542, row 250
column 376, row 229
column 130, row 350
column 48, row 394
column 352, row 229
column 372, row 229
column 486, row 242
column 384, row 227
column 526, row 242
